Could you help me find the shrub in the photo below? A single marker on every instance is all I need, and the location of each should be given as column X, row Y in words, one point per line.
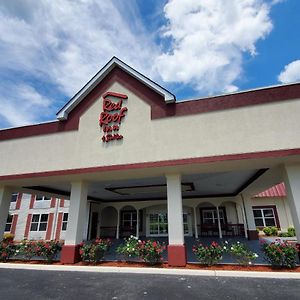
column 208, row 255
column 94, row 251
column 269, row 231
column 291, row 232
column 242, row 253
column 130, row 247
column 7, row 249
column 151, row 251
column 48, row 249
column 8, row 237
column 280, row 254
column 28, row 249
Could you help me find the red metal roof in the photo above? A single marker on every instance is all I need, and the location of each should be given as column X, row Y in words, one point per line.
column 275, row 191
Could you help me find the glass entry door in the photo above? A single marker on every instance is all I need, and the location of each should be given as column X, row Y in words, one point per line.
column 158, row 224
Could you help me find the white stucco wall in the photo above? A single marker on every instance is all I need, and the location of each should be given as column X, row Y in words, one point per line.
column 262, row 127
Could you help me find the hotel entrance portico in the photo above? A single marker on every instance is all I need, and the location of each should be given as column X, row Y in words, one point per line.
column 132, row 160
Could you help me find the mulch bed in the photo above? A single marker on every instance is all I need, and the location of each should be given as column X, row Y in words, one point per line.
column 189, row 266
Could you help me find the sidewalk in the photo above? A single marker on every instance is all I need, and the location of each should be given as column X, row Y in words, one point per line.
column 132, row 270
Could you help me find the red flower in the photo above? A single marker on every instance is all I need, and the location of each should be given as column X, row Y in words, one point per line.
column 154, row 244
column 81, row 251
column 4, row 254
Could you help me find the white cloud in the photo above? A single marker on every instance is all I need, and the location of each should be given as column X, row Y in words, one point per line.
column 64, row 43
column 208, row 40
column 22, row 104
column 291, row 72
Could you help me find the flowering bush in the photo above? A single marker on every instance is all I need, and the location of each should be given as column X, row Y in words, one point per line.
column 208, row 255
column 130, row 247
column 242, row 253
column 280, row 254
column 151, row 251
column 48, row 249
column 28, row 249
column 94, row 251
column 7, row 249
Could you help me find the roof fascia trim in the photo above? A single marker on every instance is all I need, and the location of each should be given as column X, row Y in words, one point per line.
column 64, row 112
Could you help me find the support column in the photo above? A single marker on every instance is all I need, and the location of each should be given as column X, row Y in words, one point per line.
column 76, row 222
column 176, row 247
column 118, row 224
column 5, row 197
column 244, row 220
column 137, row 223
column 195, row 222
column 251, row 232
column 291, row 174
column 219, row 223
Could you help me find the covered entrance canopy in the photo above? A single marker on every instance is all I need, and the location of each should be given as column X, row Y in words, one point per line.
column 123, row 141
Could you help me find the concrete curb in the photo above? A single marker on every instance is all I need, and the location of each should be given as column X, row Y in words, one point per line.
column 182, row 272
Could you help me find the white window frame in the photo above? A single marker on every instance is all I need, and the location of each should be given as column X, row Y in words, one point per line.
column 186, row 225
column 64, row 223
column 263, row 216
column 9, row 223
column 214, row 216
column 39, row 222
column 42, row 198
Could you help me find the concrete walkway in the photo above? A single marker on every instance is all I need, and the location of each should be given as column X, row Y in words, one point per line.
column 131, row 270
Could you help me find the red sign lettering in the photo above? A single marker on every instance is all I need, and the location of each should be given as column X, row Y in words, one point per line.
column 111, row 116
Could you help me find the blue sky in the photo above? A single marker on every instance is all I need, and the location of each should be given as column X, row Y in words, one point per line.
column 50, row 49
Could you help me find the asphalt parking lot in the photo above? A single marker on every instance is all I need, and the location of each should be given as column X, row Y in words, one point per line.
column 34, row 284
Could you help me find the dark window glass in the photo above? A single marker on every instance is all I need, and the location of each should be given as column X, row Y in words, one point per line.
column 270, row 222
column 43, row 227
column 44, row 218
column 64, row 226
column 33, row 226
column 35, row 218
column 257, row 213
column 14, row 197
column 39, row 198
column 9, row 219
column 65, row 218
column 259, row 222
column 7, row 227
column 268, row 213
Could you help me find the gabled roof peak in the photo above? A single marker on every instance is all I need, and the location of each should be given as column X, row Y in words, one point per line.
column 63, row 113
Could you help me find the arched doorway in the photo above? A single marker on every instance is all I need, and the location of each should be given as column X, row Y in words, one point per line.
column 109, row 222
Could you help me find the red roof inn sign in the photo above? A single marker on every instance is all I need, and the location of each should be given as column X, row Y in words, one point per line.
column 111, row 117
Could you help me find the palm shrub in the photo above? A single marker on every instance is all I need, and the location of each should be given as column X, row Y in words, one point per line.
column 208, row 255
column 280, row 254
